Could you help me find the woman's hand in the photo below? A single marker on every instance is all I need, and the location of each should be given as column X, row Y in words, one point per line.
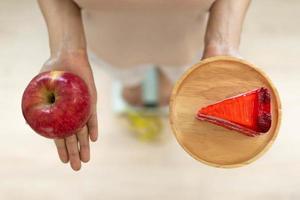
column 224, row 27
column 68, row 53
column 220, row 50
column 76, row 148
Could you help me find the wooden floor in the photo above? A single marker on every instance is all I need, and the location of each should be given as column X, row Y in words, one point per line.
column 123, row 168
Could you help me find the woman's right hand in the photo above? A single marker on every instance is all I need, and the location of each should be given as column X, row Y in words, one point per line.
column 68, row 53
column 76, row 148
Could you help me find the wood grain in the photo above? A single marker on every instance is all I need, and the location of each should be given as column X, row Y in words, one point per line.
column 213, row 80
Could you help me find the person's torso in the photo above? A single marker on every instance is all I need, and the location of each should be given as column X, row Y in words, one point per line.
column 130, row 32
column 117, row 5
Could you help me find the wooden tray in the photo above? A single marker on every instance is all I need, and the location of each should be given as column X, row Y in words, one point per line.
column 209, row 81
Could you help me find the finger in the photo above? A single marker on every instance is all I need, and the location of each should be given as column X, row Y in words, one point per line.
column 83, row 139
column 62, row 150
column 93, row 127
column 72, row 147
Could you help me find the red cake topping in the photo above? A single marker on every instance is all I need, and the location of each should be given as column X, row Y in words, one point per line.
column 248, row 113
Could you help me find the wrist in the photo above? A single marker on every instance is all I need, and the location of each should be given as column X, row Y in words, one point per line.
column 67, row 59
column 220, row 49
column 70, row 54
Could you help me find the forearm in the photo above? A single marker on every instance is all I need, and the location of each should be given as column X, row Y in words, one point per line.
column 225, row 24
column 64, row 23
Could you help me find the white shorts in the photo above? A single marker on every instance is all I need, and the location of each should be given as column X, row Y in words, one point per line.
column 134, row 75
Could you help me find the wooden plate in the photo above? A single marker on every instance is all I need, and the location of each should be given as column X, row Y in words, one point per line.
column 209, row 81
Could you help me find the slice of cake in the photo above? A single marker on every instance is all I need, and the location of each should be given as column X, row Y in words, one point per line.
column 248, row 113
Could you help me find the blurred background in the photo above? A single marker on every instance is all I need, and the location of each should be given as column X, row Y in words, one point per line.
column 124, row 168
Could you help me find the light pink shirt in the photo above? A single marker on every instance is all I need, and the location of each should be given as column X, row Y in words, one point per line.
column 131, row 32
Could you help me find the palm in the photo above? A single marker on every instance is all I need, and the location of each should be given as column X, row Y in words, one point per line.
column 68, row 148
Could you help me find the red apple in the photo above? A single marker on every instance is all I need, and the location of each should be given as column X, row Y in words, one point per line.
column 56, row 104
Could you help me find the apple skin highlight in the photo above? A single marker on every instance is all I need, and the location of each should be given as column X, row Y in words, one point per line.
column 56, row 104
